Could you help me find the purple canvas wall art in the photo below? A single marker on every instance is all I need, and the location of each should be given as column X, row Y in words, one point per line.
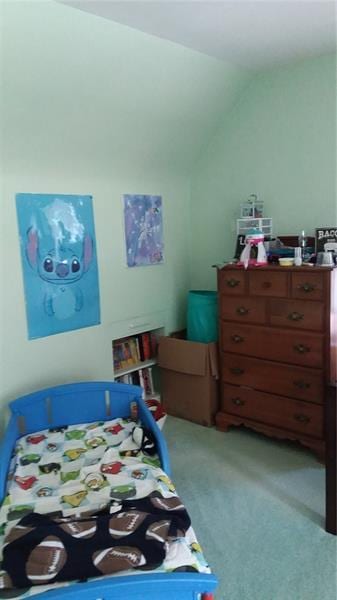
column 143, row 229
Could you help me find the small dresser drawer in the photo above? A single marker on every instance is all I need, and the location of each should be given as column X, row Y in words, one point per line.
column 268, row 283
column 295, row 347
column 308, row 286
column 295, row 313
column 243, row 309
column 267, row 376
column 278, row 411
column 232, row 283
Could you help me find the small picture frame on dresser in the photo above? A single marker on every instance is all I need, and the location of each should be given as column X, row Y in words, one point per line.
column 240, row 244
column 326, row 239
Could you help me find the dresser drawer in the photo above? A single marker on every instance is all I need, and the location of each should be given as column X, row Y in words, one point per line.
column 296, row 313
column 287, row 413
column 232, row 283
column 295, row 347
column 243, row 309
column 268, row 283
column 267, row 376
column 308, row 286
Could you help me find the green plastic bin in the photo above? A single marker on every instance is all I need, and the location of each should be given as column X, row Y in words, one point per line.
column 202, row 316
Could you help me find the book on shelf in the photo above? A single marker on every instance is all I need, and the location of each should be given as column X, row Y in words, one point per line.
column 118, row 356
column 141, row 377
column 140, row 345
column 147, row 380
column 134, row 349
column 124, row 354
column 117, row 364
column 153, row 344
column 147, row 345
column 131, row 378
column 135, row 379
column 137, row 347
column 127, row 354
column 131, row 351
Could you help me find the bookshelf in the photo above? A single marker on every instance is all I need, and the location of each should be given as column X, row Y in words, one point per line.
column 135, row 360
column 140, row 365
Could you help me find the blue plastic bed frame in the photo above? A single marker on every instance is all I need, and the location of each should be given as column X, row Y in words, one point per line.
column 99, row 401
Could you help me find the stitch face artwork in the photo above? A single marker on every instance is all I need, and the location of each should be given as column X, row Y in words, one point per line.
column 59, row 262
column 64, row 263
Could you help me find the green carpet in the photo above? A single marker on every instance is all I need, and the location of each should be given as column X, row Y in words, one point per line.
column 257, row 506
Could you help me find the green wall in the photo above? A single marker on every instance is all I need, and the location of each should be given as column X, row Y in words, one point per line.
column 279, row 141
column 92, row 107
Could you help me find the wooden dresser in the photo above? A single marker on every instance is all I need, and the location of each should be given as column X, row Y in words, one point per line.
column 278, row 349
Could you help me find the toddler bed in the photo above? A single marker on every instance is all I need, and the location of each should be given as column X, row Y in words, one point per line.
column 88, row 508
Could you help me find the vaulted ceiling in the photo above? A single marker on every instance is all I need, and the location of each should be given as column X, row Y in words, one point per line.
column 252, row 34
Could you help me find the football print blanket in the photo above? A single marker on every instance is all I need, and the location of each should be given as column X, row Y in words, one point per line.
column 89, row 488
column 41, row 548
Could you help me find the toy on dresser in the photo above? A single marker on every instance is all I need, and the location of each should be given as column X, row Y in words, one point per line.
column 254, row 240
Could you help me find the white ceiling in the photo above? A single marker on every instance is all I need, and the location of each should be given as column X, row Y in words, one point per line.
column 254, row 34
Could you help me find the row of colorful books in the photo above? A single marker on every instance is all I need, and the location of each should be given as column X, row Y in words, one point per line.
column 142, row 377
column 133, row 350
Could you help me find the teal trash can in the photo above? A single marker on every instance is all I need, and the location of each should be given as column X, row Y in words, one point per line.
column 202, row 316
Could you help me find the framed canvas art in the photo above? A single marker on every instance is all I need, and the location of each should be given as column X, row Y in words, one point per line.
column 59, row 264
column 143, row 224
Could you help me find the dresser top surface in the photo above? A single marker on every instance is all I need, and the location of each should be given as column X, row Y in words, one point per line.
column 307, row 268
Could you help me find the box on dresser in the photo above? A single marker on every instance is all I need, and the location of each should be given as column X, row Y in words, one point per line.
column 278, row 337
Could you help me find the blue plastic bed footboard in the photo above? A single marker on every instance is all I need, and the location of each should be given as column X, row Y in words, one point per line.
column 98, row 401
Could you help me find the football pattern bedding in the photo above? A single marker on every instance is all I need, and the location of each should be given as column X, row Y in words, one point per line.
column 80, row 479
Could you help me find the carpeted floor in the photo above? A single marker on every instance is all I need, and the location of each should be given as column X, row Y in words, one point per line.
column 257, row 506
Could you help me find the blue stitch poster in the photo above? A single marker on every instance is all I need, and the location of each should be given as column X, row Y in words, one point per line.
column 143, row 230
column 59, row 262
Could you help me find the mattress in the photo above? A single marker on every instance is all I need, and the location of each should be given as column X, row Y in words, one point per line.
column 74, row 470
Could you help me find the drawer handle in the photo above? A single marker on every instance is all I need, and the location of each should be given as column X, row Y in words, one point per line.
column 302, row 385
column 238, row 401
column 237, row 339
column 306, row 287
column 295, row 316
column 301, row 349
column 302, row 418
column 266, row 285
column 233, row 282
column 237, row 371
column 242, row 310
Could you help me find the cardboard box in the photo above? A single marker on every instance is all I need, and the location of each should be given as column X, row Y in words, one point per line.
column 189, row 379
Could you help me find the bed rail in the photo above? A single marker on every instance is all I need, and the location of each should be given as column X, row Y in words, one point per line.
column 157, row 586
column 75, row 403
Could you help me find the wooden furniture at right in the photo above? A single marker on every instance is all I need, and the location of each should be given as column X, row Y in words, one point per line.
column 278, row 343
column 331, row 462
